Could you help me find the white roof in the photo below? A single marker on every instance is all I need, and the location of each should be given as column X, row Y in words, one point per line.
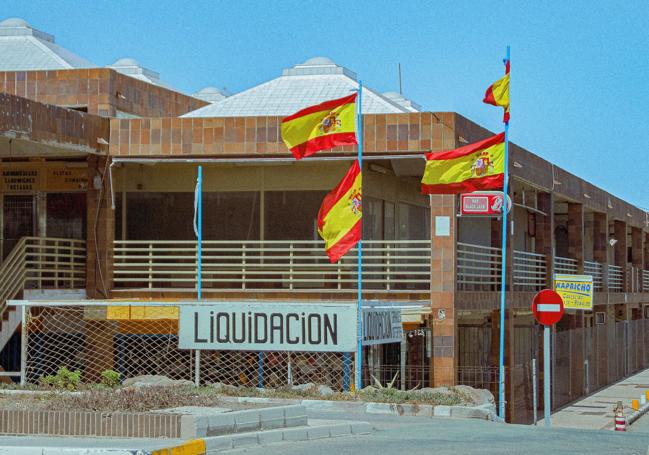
column 312, row 82
column 23, row 48
column 211, row 94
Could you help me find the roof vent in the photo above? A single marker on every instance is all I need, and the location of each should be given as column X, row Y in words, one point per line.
column 318, row 66
column 402, row 101
column 15, row 26
column 132, row 67
column 211, row 94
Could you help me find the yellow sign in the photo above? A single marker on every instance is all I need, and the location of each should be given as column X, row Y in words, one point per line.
column 575, row 290
column 31, row 177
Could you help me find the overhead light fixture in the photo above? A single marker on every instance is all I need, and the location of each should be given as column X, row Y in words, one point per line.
column 609, row 205
column 462, row 140
column 102, row 141
column 119, row 95
column 556, row 182
column 629, row 215
column 612, row 241
column 586, row 196
column 517, row 164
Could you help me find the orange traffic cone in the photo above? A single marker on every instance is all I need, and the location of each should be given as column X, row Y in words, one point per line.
column 620, row 420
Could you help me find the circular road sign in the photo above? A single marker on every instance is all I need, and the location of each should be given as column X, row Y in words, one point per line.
column 547, row 307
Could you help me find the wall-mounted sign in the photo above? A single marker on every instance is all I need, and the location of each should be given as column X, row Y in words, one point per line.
column 31, row 177
column 483, row 203
column 249, row 326
column 382, row 326
column 575, row 290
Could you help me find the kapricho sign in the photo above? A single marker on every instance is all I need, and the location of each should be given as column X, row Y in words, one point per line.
column 286, row 326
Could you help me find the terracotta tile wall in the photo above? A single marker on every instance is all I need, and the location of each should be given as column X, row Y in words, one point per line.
column 260, row 136
column 98, row 89
column 25, row 119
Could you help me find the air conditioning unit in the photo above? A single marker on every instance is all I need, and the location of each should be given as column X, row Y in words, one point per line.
column 600, row 318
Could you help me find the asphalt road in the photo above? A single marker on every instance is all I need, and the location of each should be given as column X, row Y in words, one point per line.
column 417, row 435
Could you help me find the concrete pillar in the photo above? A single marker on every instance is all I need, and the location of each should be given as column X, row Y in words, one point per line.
column 100, row 230
column 544, row 232
column 636, row 258
column 600, row 243
column 576, row 234
column 620, row 248
column 443, row 287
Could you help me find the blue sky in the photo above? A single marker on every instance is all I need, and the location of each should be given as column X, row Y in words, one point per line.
column 580, row 69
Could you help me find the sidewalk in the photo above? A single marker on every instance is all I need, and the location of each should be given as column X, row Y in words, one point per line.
column 596, row 410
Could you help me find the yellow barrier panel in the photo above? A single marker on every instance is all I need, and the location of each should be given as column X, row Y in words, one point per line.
column 635, row 405
column 193, row 447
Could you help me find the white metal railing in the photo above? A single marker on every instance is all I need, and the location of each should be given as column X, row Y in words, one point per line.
column 271, row 265
column 529, row 271
column 565, row 265
column 645, row 281
column 615, row 278
column 42, row 262
column 596, row 270
column 478, row 267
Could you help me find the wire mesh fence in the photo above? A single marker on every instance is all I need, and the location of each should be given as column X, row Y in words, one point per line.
column 88, row 339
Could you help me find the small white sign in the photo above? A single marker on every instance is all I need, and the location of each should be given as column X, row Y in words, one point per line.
column 381, row 326
column 251, row 326
column 442, row 226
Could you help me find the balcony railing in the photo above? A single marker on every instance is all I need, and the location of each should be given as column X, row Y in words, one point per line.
column 596, row 270
column 530, row 271
column 645, row 281
column 478, row 267
column 565, row 265
column 615, row 279
column 396, row 265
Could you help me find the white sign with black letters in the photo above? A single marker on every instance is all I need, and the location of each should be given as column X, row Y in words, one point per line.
column 381, row 326
column 249, row 326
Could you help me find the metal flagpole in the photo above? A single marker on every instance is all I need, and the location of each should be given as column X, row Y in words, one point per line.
column 199, row 262
column 359, row 347
column 503, row 273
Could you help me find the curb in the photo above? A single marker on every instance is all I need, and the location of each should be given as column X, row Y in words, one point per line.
column 636, row 415
column 215, row 444
column 483, row 412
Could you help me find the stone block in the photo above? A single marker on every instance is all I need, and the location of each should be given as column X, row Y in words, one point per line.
column 220, row 424
column 442, row 411
column 296, row 434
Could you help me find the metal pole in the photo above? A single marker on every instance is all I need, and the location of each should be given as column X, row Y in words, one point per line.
column 359, row 335
column 546, row 375
column 199, row 266
column 404, row 353
column 535, row 391
column 503, row 275
column 23, row 347
column 260, row 370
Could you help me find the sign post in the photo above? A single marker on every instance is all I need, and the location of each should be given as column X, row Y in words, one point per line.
column 547, row 307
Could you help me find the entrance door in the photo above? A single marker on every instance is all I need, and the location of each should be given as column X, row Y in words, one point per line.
column 18, row 220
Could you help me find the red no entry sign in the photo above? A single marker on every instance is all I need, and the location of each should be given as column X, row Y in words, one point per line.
column 547, row 307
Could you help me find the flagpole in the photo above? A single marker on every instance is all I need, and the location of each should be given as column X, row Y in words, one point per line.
column 359, row 347
column 199, row 259
column 503, row 273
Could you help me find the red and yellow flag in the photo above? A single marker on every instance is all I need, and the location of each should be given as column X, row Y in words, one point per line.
column 498, row 93
column 321, row 127
column 478, row 166
column 339, row 218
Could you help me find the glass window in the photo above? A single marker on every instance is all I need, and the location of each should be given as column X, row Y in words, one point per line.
column 292, row 215
column 414, row 222
column 231, row 215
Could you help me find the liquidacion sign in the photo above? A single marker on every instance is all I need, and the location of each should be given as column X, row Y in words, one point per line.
column 247, row 326
column 381, row 326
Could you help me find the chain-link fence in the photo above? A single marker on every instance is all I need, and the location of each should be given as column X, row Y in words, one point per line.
column 94, row 338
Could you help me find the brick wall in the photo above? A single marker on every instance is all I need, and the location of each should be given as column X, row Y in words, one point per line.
column 24, row 119
column 102, row 90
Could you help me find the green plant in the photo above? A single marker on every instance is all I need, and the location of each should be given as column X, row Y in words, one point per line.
column 63, row 379
column 110, row 378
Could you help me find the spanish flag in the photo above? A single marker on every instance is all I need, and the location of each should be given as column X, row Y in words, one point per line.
column 321, row 127
column 478, row 166
column 339, row 218
column 498, row 93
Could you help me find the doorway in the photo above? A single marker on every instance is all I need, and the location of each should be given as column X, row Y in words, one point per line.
column 19, row 220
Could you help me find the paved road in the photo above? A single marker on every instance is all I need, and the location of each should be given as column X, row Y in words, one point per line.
column 417, row 435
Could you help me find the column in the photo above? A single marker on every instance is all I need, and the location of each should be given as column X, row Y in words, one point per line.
column 636, row 259
column 600, row 244
column 544, row 233
column 100, row 231
column 443, row 286
column 576, row 234
column 620, row 249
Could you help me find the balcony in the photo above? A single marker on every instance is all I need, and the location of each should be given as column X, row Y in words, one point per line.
column 396, row 266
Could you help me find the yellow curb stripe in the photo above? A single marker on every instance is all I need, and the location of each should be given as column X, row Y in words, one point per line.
column 193, row 447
